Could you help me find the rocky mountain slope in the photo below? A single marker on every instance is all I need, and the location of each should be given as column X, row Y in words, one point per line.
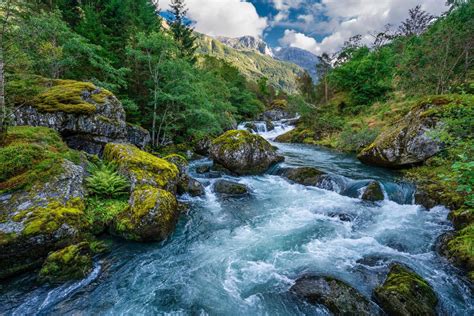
column 300, row 57
column 251, row 62
column 247, row 43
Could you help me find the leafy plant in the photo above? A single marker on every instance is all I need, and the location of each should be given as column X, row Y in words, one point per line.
column 463, row 174
column 105, row 181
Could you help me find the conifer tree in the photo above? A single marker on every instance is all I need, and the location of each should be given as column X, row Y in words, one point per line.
column 182, row 32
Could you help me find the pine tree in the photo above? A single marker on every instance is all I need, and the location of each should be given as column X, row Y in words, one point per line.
column 182, row 32
column 417, row 22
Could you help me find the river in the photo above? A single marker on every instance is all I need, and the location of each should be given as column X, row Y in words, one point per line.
column 240, row 256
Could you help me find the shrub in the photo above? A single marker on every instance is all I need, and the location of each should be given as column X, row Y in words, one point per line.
column 355, row 140
column 104, row 180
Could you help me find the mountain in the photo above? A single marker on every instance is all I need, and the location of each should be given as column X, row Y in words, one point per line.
column 247, row 43
column 300, row 57
column 250, row 58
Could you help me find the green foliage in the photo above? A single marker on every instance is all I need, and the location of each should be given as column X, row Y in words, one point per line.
column 100, row 211
column 182, row 32
column 463, row 174
column 354, row 140
column 105, row 181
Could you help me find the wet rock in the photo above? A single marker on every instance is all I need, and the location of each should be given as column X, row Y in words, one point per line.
column 191, row 186
column 339, row 297
column 457, row 248
column 251, row 127
column 203, row 169
column 405, row 293
column 373, row 192
column 230, row 188
column 87, row 117
column 297, row 135
column 244, row 153
column 407, row 143
column 275, row 115
column 138, row 136
column 304, row 175
column 73, row 262
column 203, row 146
column 342, row 216
column 152, row 215
column 270, row 126
column 425, row 199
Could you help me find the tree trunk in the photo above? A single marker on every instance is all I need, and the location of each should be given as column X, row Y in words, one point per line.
column 3, row 109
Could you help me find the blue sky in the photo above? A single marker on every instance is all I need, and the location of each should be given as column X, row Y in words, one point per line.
column 315, row 25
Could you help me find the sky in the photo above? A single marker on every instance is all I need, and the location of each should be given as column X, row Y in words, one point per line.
column 315, row 25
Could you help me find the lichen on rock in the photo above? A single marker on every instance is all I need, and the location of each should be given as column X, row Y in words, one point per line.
column 243, row 152
column 405, row 293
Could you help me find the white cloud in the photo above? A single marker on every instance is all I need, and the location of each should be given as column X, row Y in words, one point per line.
column 346, row 18
column 231, row 18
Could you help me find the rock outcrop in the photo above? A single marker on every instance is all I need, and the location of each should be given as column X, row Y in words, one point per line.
column 408, row 142
column 405, row 293
column 339, row 297
column 304, row 175
column 87, row 117
column 186, row 184
column 373, row 192
column 244, row 153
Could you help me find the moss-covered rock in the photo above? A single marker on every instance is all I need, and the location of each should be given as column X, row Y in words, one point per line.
column 408, row 142
column 373, row 192
column 339, row 297
column 458, row 247
column 73, row 262
column 244, row 153
column 230, row 188
column 178, row 160
column 298, row 135
column 142, row 168
column 152, row 215
column 303, row 175
column 405, row 293
column 87, row 116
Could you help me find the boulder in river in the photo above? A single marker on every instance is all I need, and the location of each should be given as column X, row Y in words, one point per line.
column 244, row 153
column 304, row 175
column 87, row 117
column 339, row 297
column 73, row 262
column 373, row 192
column 230, row 188
column 152, row 215
column 409, row 141
column 203, row 169
column 457, row 247
column 405, row 293
column 191, row 186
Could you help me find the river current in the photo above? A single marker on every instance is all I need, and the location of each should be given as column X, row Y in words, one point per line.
column 240, row 256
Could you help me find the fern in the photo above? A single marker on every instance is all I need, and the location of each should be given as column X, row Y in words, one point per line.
column 104, row 180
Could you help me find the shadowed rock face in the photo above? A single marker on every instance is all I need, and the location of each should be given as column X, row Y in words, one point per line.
column 405, row 293
column 337, row 296
column 407, row 143
column 244, row 153
column 87, row 117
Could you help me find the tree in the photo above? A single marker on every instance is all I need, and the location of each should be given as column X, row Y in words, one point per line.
column 323, row 67
column 417, row 22
column 306, row 86
column 182, row 32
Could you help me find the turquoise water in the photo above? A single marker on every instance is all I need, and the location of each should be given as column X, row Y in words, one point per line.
column 240, row 256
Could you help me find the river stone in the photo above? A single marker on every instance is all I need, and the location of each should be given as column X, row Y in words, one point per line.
column 275, row 115
column 339, row 297
column 373, row 192
column 191, row 186
column 251, row 127
column 244, row 153
column 73, row 262
column 87, row 117
column 269, row 125
column 203, row 169
column 405, row 293
column 230, row 188
column 152, row 215
column 305, row 175
column 408, row 142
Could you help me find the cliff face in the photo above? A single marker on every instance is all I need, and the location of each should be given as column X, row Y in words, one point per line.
column 247, row 43
column 300, row 57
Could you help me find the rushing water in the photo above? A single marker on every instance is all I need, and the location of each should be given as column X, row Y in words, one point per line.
column 240, row 256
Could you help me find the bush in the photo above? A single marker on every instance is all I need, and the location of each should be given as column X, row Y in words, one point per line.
column 354, row 140
column 105, row 181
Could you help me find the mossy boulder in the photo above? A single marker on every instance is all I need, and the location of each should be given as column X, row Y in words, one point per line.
column 373, row 192
column 87, row 116
column 409, row 141
column 458, row 247
column 230, row 188
column 298, row 135
column 73, row 262
column 405, row 293
column 303, row 175
column 142, row 168
column 339, row 297
column 244, row 153
column 152, row 215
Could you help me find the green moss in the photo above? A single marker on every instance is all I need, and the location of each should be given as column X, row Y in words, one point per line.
column 461, row 249
column 298, row 135
column 406, row 293
column 178, row 160
column 235, row 139
column 57, row 95
column 142, row 167
column 152, row 215
column 71, row 263
column 100, row 212
column 31, row 155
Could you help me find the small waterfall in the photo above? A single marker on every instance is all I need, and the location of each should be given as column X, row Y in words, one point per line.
column 267, row 129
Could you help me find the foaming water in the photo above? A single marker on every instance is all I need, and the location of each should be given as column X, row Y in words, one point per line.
column 240, row 256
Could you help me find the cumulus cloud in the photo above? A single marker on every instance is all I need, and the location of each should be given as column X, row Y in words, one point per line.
column 346, row 18
column 231, row 18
